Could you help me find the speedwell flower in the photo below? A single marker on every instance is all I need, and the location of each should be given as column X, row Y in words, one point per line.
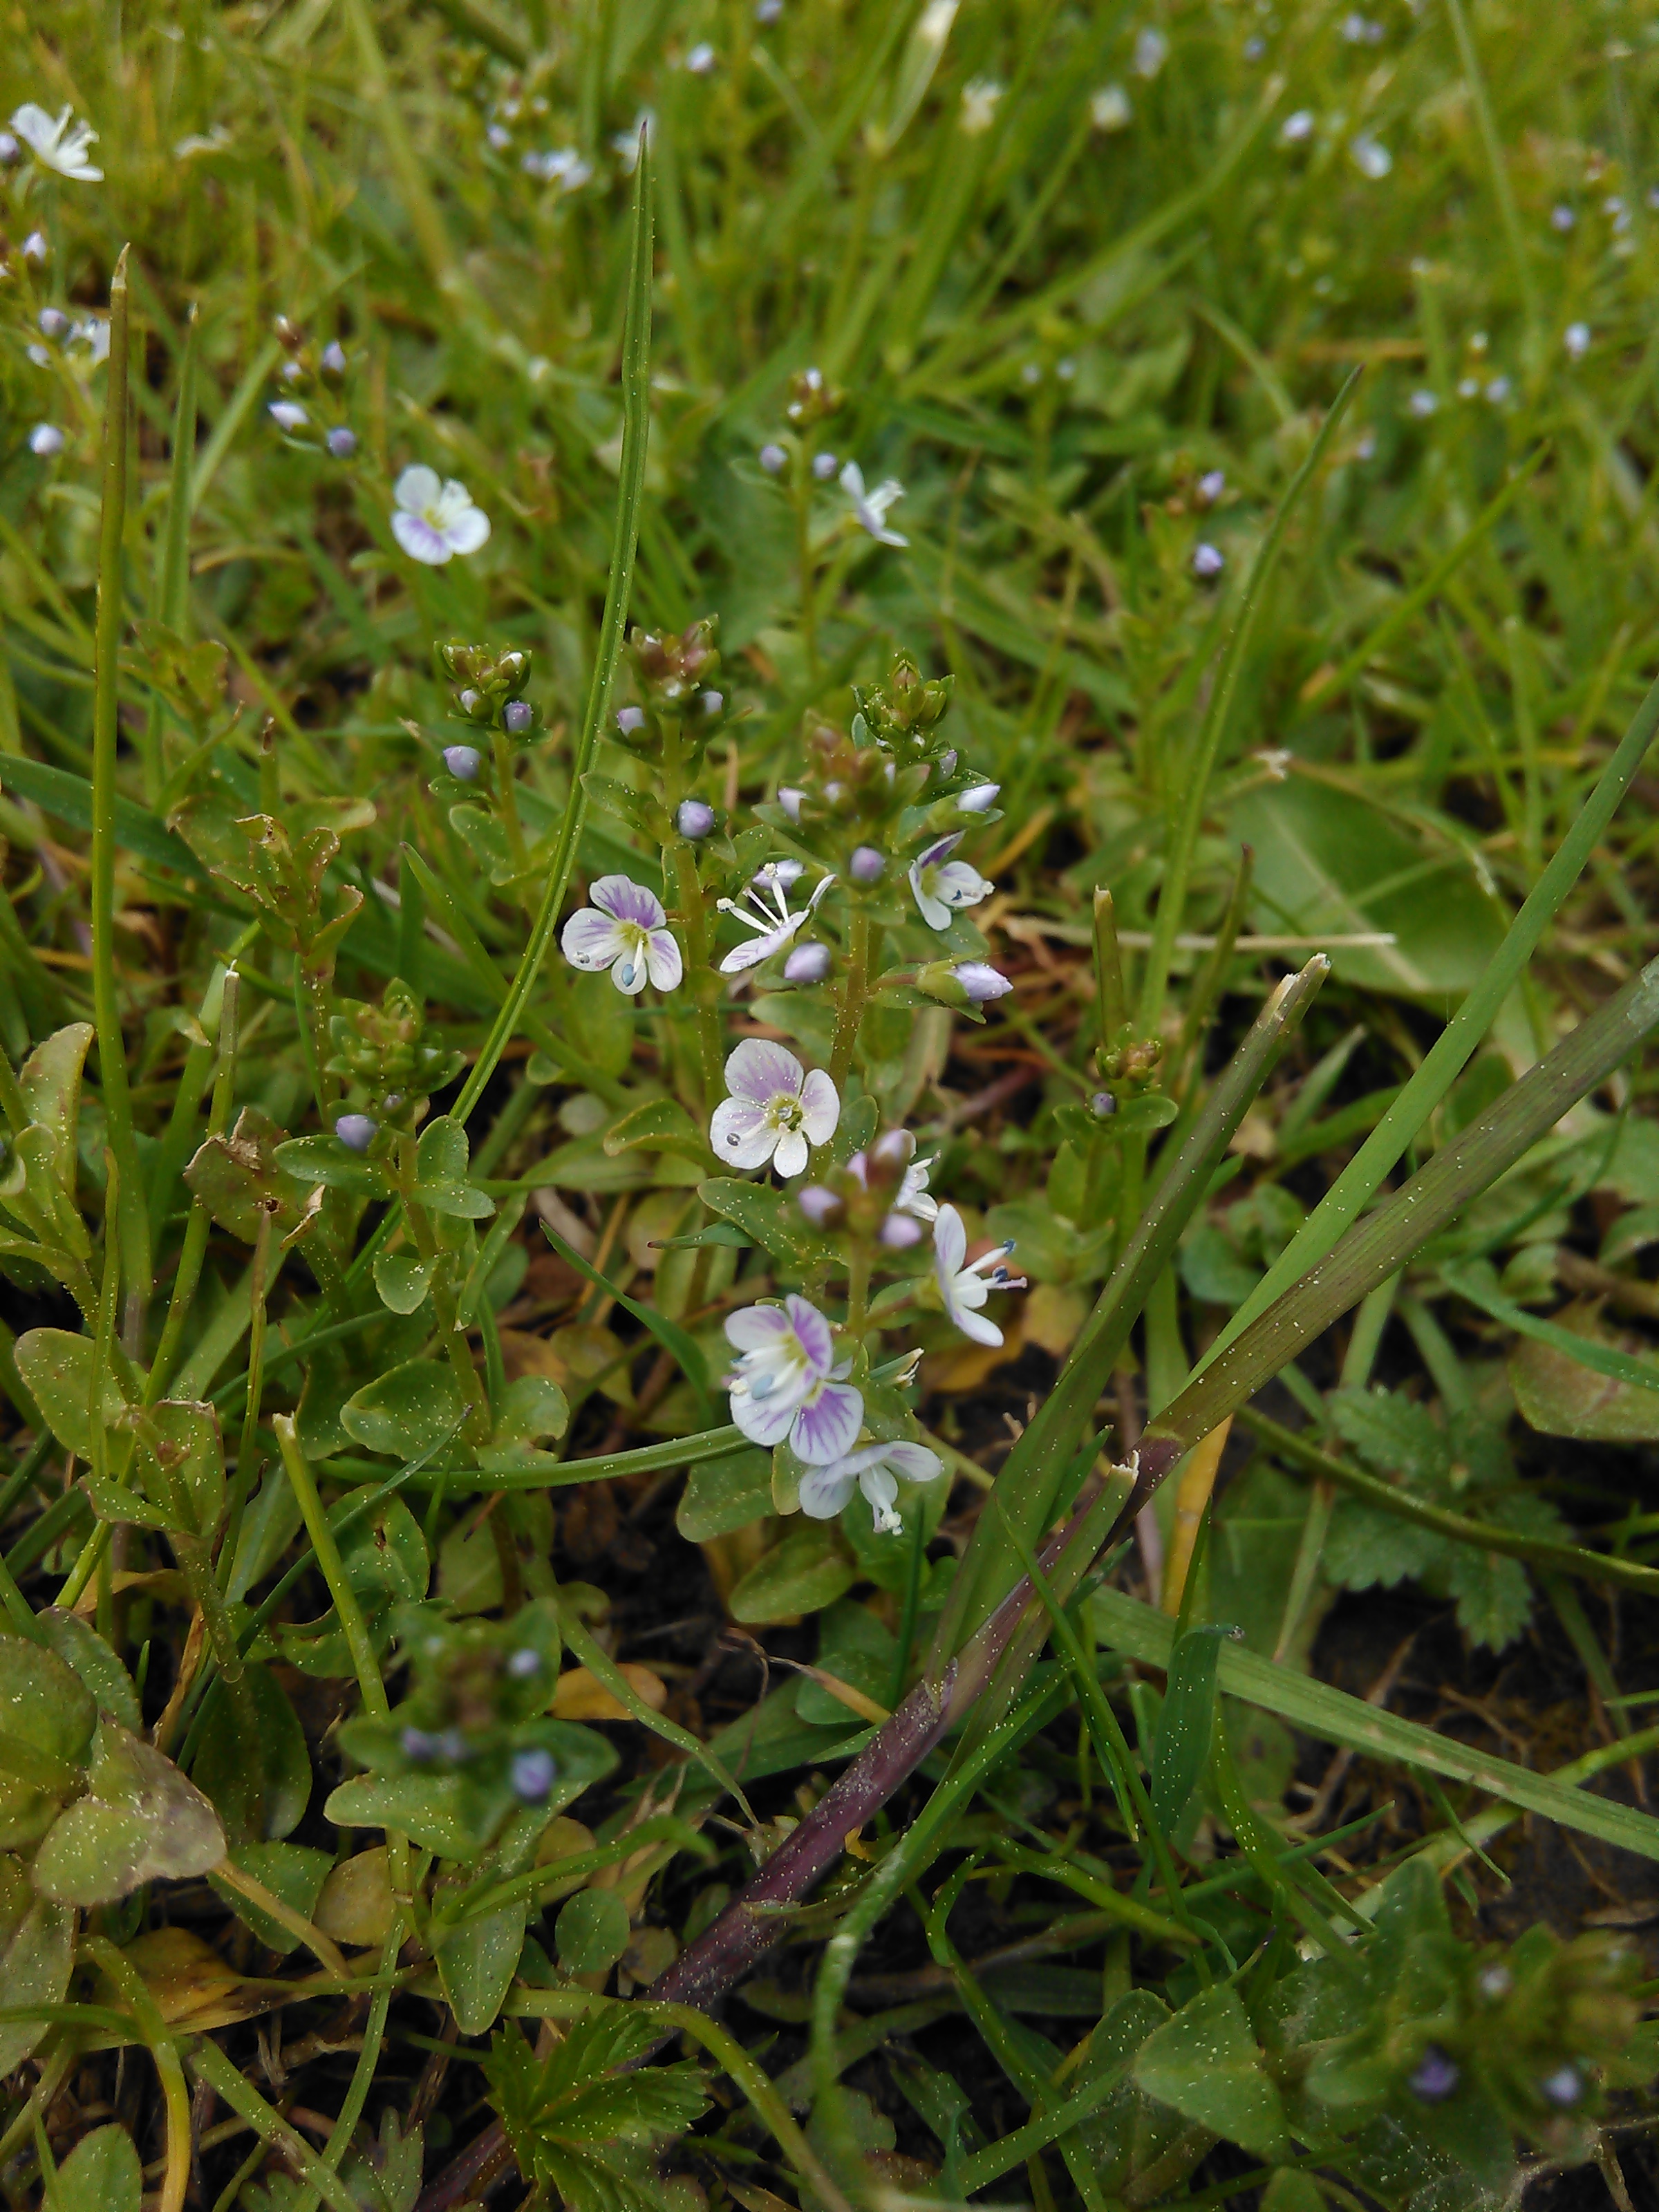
column 943, row 886
column 626, row 930
column 963, row 1285
column 776, row 1109
column 786, row 1383
column 825, row 1490
column 774, row 924
column 870, row 508
column 60, row 145
column 433, row 522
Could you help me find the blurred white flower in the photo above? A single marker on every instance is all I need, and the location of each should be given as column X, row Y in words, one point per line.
column 47, row 440
column 1577, row 339
column 1151, row 51
column 60, row 145
column 565, row 168
column 1370, row 157
column 432, row 521
column 1422, row 404
column 1209, row 561
column 701, row 59
column 980, row 96
column 289, row 414
column 943, row 886
column 91, row 331
column 215, row 142
column 1109, row 109
column 870, row 508
column 1296, row 127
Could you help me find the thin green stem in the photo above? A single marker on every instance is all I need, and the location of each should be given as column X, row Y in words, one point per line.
column 861, row 938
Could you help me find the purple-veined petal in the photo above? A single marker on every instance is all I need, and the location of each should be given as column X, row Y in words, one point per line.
column 825, row 1490
column 752, row 1327
column 628, row 901
column 417, row 488
column 940, row 849
column 741, row 1134
column 820, row 1106
column 815, row 1337
column 419, row 540
column 759, row 1072
column 914, row 1461
column 959, row 884
column 827, row 1425
column 764, row 1420
column 792, row 1154
column 662, row 960
column 591, row 939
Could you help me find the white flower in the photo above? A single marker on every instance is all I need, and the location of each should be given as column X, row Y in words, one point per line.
column 289, row 414
column 943, row 886
column 775, row 926
column 61, row 145
column 776, row 1109
column 784, row 1382
column 964, row 1288
column 1151, row 51
column 825, row 1490
column 701, row 59
column 870, row 508
column 45, row 440
column 1577, row 339
column 1296, row 127
column 979, row 105
column 624, row 930
column 1370, row 157
column 92, row 332
column 565, row 168
column 436, row 521
column 1109, row 109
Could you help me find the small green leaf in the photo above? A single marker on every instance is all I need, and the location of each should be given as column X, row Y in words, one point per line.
column 534, row 1407
column 476, row 1962
column 100, row 2174
column 591, row 1931
column 806, row 1572
column 767, row 1217
column 292, row 1872
column 226, row 1765
column 57, row 1369
column 311, row 1160
column 403, row 1280
column 45, row 1705
column 238, row 1178
column 660, row 1125
column 725, row 1494
column 1205, row 2062
column 407, row 1411
column 140, row 1821
column 1181, row 1751
column 79, row 1644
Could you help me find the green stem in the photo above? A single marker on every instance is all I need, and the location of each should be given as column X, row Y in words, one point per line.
column 175, row 2096
column 197, row 1229
column 702, row 976
column 362, row 2074
column 861, row 937
column 132, row 1220
column 507, row 812
column 243, row 1481
column 228, row 2081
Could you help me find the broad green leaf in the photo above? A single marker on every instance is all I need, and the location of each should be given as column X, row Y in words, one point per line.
column 403, row 1280
column 94, row 1659
column 769, row 1219
column 100, row 2174
column 292, row 1872
column 37, row 1952
column 279, row 1757
column 807, row 1571
column 141, row 1820
column 591, row 1931
column 1181, row 1751
column 1561, row 1396
column 56, row 1369
column 1206, row 2064
column 239, row 1179
column 659, row 1125
column 601, row 1020
column 476, row 1962
column 46, row 1706
column 189, row 1434
column 725, row 1494
column 534, row 1407
column 406, row 1412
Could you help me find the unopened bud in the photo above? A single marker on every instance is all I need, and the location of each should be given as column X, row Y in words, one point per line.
column 980, row 799
column 824, row 466
column 356, row 1131
column 694, row 819
column 463, row 761
column 1102, row 1105
column 517, row 717
column 981, row 982
column 791, row 800
column 900, row 1231
column 333, row 360
column 774, row 459
column 36, row 247
column 533, row 1776
column 819, row 1206
column 807, row 964
column 341, row 443
column 629, row 719
column 867, row 866
column 470, row 701
column 1209, row 561
column 711, row 703
column 289, row 414
column 53, row 322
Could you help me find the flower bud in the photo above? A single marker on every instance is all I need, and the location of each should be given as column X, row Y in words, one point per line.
column 807, row 964
column 1436, row 2077
column 289, row 414
column 522, row 1665
column 711, row 703
column 47, row 440
column 356, row 1131
column 791, row 800
column 900, row 1231
column 341, row 443
column 694, row 819
column 774, row 459
column 293, row 372
column 1211, row 485
column 1564, row 2088
column 418, row 1746
column 36, row 248
column 629, row 719
column 1209, row 561
column 867, row 866
column 518, row 717
column 333, row 360
column 981, row 982
column 947, row 760
column 53, row 322
column 1102, row 1105
column 534, row 1773
column 824, row 466
column 819, row 1206
column 469, row 702
column 10, row 148
column 979, row 799
column 462, row 761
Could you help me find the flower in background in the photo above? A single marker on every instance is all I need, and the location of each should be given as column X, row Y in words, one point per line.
column 91, row 331
column 289, row 414
column 1151, row 51
column 775, row 926
column 870, row 508
column 786, row 1384
column 963, row 1285
column 45, row 440
column 980, row 96
column 873, row 1467
column 944, row 887
column 433, row 522
column 61, row 145
column 1109, row 109
column 626, row 930
column 776, row 1109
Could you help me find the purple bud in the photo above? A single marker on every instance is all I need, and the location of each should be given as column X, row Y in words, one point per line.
column 791, row 800
column 824, row 466
column 1564, row 2088
column 694, row 819
column 355, row 1132
column 47, row 440
column 893, row 1149
column 1208, row 560
column 53, row 322
column 521, row 1665
column 463, row 761
column 455, row 1747
column 518, row 716
column 36, row 247
column 292, row 372
column 629, row 719
column 981, row 982
column 392, row 1101
column 333, row 358
column 289, row 414
column 1211, row 485
column 900, row 1231
column 867, row 866
column 341, row 443
column 774, row 459
column 711, row 702
column 818, row 1204
column 807, row 964
column 1102, row 1105
column 418, row 1746
column 1436, row 2077
column 533, row 1775
column 979, row 799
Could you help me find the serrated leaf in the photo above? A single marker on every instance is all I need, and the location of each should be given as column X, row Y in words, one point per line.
column 1366, row 1548
column 1493, row 1593
column 1393, row 1434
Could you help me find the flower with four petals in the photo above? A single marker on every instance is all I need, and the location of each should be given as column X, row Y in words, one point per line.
column 874, row 1467
column 625, row 930
column 776, row 1110
column 59, row 145
column 432, row 521
column 786, row 1385
column 767, row 913
column 870, row 508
